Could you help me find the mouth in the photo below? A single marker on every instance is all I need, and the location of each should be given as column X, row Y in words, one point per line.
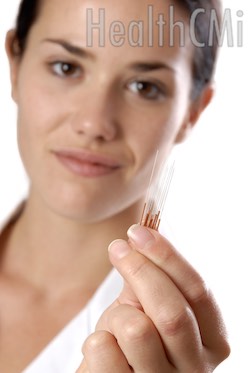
column 87, row 164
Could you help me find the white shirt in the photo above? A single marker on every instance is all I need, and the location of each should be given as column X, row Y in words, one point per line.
column 63, row 354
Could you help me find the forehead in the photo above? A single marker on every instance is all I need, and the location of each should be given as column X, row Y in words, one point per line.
column 123, row 9
column 141, row 27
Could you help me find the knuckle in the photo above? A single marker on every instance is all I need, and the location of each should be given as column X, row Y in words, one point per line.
column 95, row 342
column 138, row 268
column 137, row 329
column 224, row 351
column 171, row 326
column 199, row 290
column 216, row 357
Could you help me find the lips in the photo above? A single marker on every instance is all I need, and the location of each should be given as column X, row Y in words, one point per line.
column 87, row 164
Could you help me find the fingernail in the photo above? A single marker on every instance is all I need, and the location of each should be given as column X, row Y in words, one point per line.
column 140, row 235
column 119, row 249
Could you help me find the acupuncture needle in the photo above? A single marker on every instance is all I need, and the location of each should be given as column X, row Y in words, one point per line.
column 157, row 193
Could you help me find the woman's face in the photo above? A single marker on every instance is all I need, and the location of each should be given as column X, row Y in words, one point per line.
column 91, row 118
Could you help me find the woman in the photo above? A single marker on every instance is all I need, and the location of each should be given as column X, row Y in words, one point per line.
column 99, row 89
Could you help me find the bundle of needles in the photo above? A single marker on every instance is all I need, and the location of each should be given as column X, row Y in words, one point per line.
column 156, row 195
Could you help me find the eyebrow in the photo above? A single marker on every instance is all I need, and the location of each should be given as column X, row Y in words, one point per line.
column 83, row 53
column 71, row 48
column 150, row 66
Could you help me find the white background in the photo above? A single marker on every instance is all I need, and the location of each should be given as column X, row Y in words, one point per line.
column 208, row 209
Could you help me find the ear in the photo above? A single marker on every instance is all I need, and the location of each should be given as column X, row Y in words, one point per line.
column 196, row 108
column 14, row 60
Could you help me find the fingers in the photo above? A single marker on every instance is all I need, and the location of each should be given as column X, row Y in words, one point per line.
column 164, row 304
column 138, row 339
column 151, row 244
column 165, row 319
column 102, row 354
column 173, row 295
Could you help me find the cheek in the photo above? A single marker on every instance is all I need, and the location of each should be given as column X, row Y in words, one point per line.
column 28, row 141
column 36, row 118
column 37, row 108
column 38, row 103
column 37, row 113
column 155, row 129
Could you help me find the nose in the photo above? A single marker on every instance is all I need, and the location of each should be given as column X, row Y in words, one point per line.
column 95, row 116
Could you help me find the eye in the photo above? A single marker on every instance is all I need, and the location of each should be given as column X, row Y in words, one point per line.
column 66, row 69
column 147, row 90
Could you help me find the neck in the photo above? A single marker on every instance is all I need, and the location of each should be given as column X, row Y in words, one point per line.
column 50, row 251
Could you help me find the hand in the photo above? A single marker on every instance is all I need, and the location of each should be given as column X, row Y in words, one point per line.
column 165, row 319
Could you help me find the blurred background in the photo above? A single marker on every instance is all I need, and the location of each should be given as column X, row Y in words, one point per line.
column 208, row 209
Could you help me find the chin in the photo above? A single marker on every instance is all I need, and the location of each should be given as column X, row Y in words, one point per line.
column 82, row 209
column 89, row 202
